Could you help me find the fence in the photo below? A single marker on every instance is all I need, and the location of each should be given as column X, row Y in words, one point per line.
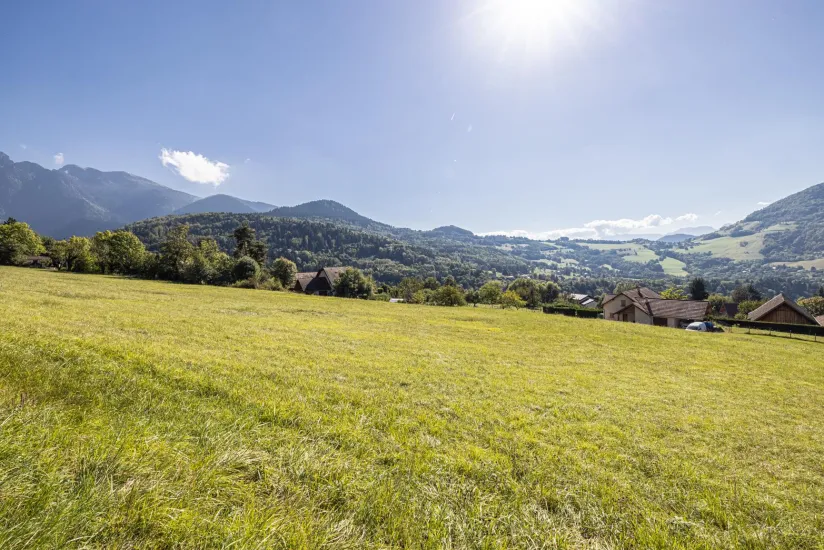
column 806, row 330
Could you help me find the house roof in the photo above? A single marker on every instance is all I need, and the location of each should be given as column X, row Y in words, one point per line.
column 677, row 309
column 333, row 274
column 634, row 294
column 581, row 297
column 776, row 302
column 820, row 320
column 303, row 279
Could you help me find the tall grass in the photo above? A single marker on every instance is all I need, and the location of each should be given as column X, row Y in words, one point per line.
column 136, row 414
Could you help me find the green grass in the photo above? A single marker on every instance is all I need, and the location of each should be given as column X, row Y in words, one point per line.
column 806, row 264
column 674, row 267
column 139, row 414
column 737, row 248
column 630, row 252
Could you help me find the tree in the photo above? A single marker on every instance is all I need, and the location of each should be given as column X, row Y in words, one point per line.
column 746, row 292
column 716, row 302
column 431, row 283
column 79, row 256
column 698, row 289
column 352, row 283
column 550, row 292
column 209, row 265
column 473, row 297
column 245, row 268
column 511, row 299
column 285, row 271
column 175, row 253
column 821, row 291
column 449, row 295
column 528, row 289
column 18, row 240
column 118, row 252
column 815, row 305
column 623, row 286
column 490, row 292
column 747, row 306
column 674, row 293
column 407, row 288
column 247, row 245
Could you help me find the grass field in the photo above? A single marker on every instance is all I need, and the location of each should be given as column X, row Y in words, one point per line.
column 806, row 264
column 737, row 248
column 674, row 267
column 634, row 252
column 139, row 414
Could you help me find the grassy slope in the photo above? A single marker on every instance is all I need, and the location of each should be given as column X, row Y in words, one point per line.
column 738, row 248
column 641, row 253
column 806, row 264
column 142, row 414
column 674, row 267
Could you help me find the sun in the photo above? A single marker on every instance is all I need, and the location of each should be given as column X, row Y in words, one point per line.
column 534, row 27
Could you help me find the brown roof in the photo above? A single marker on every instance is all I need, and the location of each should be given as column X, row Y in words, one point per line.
column 634, row 294
column 777, row 301
column 678, row 309
column 820, row 320
column 333, row 274
column 303, row 279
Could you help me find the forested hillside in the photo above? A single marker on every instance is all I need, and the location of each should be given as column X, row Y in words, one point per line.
column 312, row 244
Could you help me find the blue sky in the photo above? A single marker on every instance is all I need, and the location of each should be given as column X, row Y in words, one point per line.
column 599, row 115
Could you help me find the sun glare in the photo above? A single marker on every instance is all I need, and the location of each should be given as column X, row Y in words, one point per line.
column 534, row 27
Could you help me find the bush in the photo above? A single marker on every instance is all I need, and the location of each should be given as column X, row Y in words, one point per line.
column 245, row 268
column 271, row 284
column 285, row 271
column 449, row 295
column 380, row 297
column 354, row 284
column 511, row 299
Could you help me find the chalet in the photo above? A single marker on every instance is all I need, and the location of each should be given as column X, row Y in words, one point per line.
column 321, row 283
column 645, row 306
column 782, row 310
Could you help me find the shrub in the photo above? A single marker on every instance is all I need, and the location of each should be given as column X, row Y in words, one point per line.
column 245, row 268
column 449, row 295
column 285, row 271
column 511, row 299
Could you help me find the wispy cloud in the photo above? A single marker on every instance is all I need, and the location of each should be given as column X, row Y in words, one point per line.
column 195, row 168
column 719, row 213
column 59, row 159
column 452, row 117
column 604, row 229
column 469, row 128
column 24, row 146
column 763, row 203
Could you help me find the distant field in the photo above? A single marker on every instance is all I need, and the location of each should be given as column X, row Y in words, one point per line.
column 634, row 252
column 139, row 414
column 737, row 248
column 674, row 267
column 806, row 264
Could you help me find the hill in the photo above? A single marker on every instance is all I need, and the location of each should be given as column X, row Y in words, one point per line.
column 263, row 418
column 74, row 200
column 327, row 210
column 315, row 242
column 224, row 203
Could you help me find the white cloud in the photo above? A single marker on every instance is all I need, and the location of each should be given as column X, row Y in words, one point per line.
column 604, row 229
column 469, row 128
column 452, row 117
column 195, row 168
column 764, row 203
column 24, row 146
column 59, row 159
column 719, row 212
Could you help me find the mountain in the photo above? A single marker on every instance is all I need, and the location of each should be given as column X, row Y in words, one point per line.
column 224, row 203
column 326, row 210
column 74, row 200
column 675, row 238
column 685, row 234
column 789, row 230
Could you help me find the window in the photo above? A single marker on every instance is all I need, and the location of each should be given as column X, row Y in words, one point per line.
column 623, row 303
column 625, row 317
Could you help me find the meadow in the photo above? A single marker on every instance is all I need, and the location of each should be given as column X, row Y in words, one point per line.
column 139, row 414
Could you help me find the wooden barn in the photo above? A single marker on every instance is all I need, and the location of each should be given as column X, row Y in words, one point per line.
column 321, row 283
column 782, row 310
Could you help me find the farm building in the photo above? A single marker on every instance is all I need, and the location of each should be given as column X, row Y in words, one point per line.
column 729, row 310
column 585, row 300
column 645, row 306
column 782, row 310
column 321, row 283
column 820, row 320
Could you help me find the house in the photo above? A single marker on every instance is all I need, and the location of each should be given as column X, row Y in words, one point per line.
column 728, row 310
column 321, row 283
column 584, row 300
column 820, row 320
column 782, row 310
column 645, row 306
column 36, row 261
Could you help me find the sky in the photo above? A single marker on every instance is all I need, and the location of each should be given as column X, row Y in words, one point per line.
column 544, row 118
